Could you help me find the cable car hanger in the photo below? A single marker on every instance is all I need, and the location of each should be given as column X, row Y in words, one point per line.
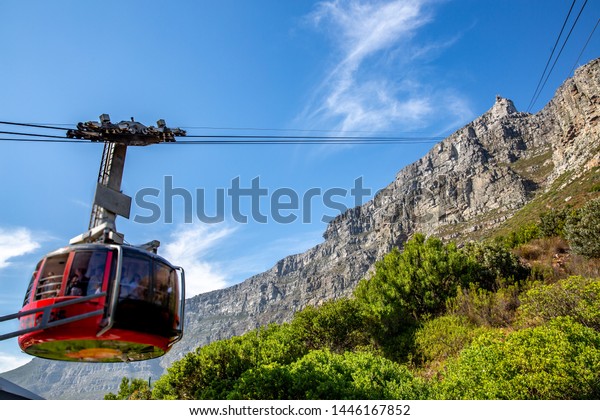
column 98, row 300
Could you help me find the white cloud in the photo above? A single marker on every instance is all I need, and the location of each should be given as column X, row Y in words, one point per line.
column 267, row 255
column 191, row 248
column 9, row 362
column 14, row 243
column 376, row 82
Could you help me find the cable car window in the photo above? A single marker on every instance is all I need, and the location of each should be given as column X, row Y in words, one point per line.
column 51, row 278
column 166, row 295
column 163, row 286
column 30, row 286
column 148, row 296
column 87, row 273
column 135, row 279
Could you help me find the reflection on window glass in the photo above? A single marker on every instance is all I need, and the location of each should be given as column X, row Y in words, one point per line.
column 135, row 278
column 51, row 277
column 87, row 273
column 149, row 296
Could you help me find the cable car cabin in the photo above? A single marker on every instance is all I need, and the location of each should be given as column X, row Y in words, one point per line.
column 102, row 303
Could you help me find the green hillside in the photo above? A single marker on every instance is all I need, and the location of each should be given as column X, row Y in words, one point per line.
column 513, row 317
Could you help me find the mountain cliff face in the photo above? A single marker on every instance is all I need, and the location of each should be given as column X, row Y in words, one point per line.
column 469, row 183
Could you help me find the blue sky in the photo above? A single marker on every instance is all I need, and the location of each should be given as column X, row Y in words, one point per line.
column 394, row 68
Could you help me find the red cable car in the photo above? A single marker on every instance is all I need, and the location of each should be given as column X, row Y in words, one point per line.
column 98, row 300
column 102, row 303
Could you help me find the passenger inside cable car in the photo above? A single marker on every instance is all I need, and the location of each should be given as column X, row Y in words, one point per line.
column 139, row 314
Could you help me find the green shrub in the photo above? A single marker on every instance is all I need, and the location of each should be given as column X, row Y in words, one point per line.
column 552, row 223
column 211, row 371
column 410, row 286
column 324, row 375
column 134, row 389
column 444, row 337
column 497, row 266
column 520, row 236
column 582, row 230
column 559, row 360
column 576, row 297
column 337, row 325
column 486, row 308
column 415, row 282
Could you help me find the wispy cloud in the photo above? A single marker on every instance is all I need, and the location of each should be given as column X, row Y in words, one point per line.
column 375, row 82
column 191, row 247
column 269, row 253
column 15, row 242
column 9, row 362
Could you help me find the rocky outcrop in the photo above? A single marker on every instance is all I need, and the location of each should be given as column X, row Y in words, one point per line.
column 470, row 182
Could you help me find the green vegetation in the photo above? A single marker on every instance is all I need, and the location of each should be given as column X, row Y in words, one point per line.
column 569, row 191
column 136, row 389
column 583, row 230
column 322, row 374
column 485, row 321
column 558, row 360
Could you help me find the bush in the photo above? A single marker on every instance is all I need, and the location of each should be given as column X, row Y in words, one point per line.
column 211, row 371
column 521, row 236
column 410, row 286
column 497, row 265
column 328, row 376
column 560, row 360
column 552, row 223
column 415, row 282
column 576, row 297
column 444, row 337
column 136, row 389
column 582, row 230
column 485, row 308
column 337, row 325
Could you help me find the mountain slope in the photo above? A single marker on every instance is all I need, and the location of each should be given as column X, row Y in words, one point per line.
column 467, row 186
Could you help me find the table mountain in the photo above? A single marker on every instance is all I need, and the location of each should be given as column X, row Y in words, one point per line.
column 467, row 185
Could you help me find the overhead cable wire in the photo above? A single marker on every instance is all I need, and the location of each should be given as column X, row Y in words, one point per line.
column 290, row 142
column 558, row 55
column 551, row 54
column 301, row 130
column 224, row 141
column 43, row 140
column 34, row 125
column 241, row 139
column 584, row 47
column 350, row 138
column 14, row 133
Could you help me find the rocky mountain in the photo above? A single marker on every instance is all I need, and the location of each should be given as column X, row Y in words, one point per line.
column 466, row 186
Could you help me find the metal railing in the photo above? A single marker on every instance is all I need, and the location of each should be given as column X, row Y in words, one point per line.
column 46, row 311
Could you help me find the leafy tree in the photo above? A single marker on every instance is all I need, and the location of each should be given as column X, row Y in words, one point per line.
column 134, row 389
column 558, row 360
column 582, row 230
column 413, row 283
